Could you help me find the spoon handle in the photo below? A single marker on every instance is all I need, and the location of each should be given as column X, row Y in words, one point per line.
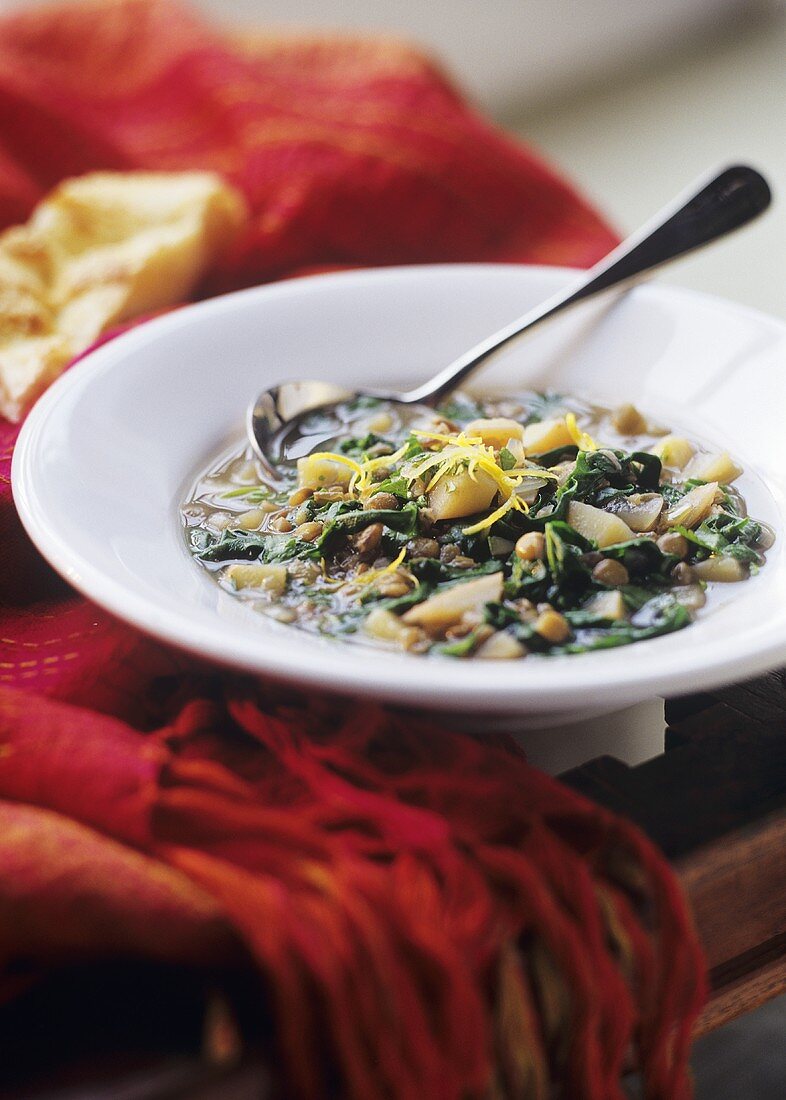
column 727, row 201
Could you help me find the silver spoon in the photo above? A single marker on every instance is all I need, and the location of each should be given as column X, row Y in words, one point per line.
column 291, row 419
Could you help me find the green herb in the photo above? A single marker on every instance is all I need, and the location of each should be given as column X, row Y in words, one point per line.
column 253, row 493
column 545, row 406
column 360, row 444
column 397, row 485
column 462, row 648
column 413, row 448
column 507, row 460
column 363, row 402
column 462, row 410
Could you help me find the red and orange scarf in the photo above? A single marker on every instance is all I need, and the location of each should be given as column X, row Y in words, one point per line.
column 430, row 916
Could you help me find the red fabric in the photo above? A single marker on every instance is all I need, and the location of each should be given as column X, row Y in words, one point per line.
column 431, row 917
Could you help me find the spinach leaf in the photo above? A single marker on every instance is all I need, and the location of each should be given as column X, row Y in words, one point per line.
column 661, row 615
column 397, row 485
column 251, row 546
column 528, row 580
column 472, row 546
column 499, row 616
column 596, row 472
column 671, row 493
column 592, row 472
column 432, row 571
column 647, row 468
column 642, row 557
column 340, row 520
column 727, row 534
column 635, row 595
column 396, row 603
column 564, row 548
column 558, row 454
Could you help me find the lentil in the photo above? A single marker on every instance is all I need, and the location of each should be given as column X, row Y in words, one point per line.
column 610, row 572
column 673, row 543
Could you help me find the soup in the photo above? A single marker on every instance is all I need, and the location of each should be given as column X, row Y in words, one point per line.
column 534, row 525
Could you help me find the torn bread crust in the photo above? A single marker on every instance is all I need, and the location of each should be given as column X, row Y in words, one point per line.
column 100, row 250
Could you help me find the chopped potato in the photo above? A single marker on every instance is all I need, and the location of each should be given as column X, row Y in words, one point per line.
column 500, row 647
column 608, row 605
column 627, row 420
column 694, row 506
column 552, row 626
column 713, row 467
column 380, row 422
column 446, row 608
column 546, row 435
column 272, row 578
column 459, row 494
column 496, row 432
column 251, row 520
column 674, row 451
column 724, row 570
column 593, row 523
column 317, row 472
column 387, row 627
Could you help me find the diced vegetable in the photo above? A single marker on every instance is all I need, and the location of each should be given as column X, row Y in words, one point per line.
column 459, row 494
column 387, row 627
column 627, row 420
column 694, row 506
column 593, row 523
column 251, row 520
column 723, row 569
column 674, row 451
column 500, row 647
column 379, row 422
column 272, row 578
column 691, row 596
column 495, row 431
column 546, row 435
column 713, row 467
column 607, row 605
column 552, row 626
column 317, row 472
column 641, row 511
column 446, row 607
